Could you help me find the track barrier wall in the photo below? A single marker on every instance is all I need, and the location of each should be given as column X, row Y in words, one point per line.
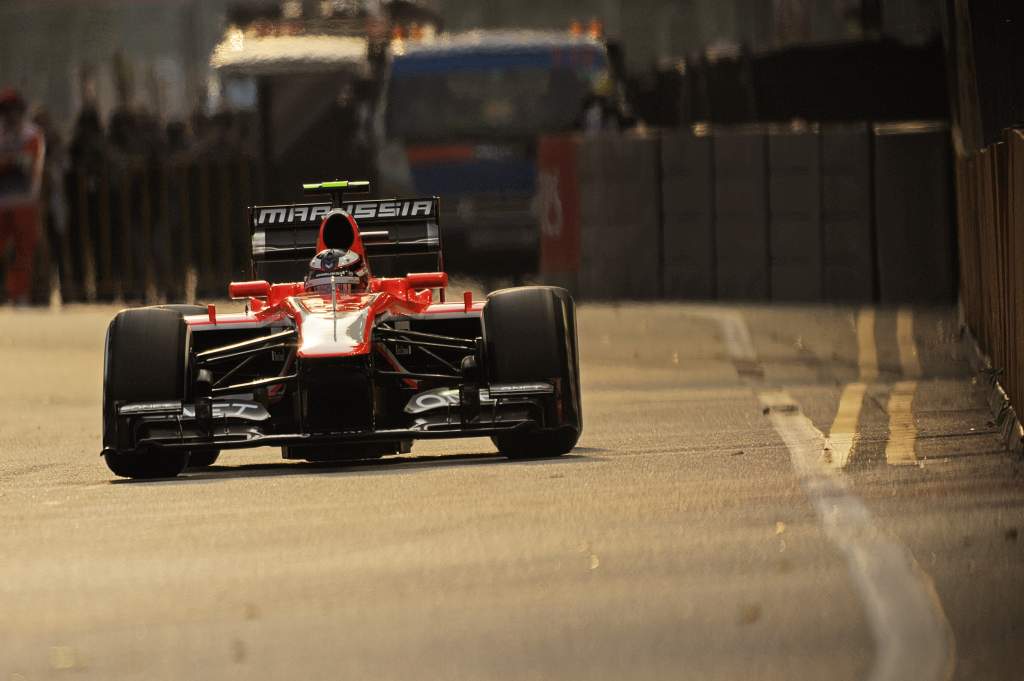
column 837, row 213
column 913, row 209
column 558, row 210
column 741, row 214
column 688, row 212
column 843, row 213
column 620, row 197
column 795, row 226
column 846, row 213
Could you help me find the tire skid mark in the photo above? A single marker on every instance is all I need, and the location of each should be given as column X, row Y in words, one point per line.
column 736, row 336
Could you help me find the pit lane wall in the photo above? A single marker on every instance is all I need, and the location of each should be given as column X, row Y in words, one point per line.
column 850, row 213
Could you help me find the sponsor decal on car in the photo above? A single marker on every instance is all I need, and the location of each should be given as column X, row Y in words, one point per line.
column 234, row 409
column 222, row 409
column 438, row 398
column 449, row 397
column 360, row 210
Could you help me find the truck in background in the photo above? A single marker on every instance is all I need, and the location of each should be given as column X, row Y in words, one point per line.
column 461, row 116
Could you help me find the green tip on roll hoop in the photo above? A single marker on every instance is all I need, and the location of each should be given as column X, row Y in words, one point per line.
column 336, row 188
column 351, row 185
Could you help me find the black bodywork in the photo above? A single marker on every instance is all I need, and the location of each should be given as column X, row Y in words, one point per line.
column 255, row 392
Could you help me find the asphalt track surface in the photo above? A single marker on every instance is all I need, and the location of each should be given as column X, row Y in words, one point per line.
column 760, row 493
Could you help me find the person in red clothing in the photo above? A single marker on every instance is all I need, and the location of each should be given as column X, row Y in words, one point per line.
column 22, row 151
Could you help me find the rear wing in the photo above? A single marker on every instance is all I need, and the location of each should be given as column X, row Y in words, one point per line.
column 284, row 237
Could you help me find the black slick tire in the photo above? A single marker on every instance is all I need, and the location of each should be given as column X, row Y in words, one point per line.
column 203, row 458
column 146, row 360
column 183, row 309
column 530, row 335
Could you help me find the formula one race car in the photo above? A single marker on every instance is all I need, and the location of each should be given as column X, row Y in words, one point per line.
column 340, row 364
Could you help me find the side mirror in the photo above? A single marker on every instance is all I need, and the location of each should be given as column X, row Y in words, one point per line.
column 248, row 289
column 427, row 280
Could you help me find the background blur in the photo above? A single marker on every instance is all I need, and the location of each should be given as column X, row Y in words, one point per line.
column 765, row 488
column 746, row 149
column 46, row 46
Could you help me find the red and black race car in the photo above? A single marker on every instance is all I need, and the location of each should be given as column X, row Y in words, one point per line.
column 340, row 363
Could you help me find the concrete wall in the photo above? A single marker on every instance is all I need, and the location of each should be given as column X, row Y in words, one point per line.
column 842, row 213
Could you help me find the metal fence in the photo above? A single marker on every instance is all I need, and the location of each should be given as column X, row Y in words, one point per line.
column 990, row 190
column 167, row 231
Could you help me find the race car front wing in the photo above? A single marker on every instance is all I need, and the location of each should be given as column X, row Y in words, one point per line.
column 237, row 422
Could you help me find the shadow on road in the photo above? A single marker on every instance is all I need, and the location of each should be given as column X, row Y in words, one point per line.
column 391, row 465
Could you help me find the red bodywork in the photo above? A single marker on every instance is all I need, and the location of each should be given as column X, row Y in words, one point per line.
column 344, row 328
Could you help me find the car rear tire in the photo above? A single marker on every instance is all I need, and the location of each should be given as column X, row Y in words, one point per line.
column 146, row 360
column 530, row 336
column 183, row 309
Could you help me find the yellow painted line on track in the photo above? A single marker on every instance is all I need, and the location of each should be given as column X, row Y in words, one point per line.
column 842, row 435
column 899, row 450
column 867, row 353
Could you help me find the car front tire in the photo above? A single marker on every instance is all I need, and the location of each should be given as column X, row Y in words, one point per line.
column 203, row 458
column 530, row 335
column 146, row 359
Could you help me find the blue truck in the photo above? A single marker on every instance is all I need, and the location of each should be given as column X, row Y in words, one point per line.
column 461, row 117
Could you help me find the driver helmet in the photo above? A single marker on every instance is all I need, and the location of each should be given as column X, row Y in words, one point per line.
column 343, row 269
